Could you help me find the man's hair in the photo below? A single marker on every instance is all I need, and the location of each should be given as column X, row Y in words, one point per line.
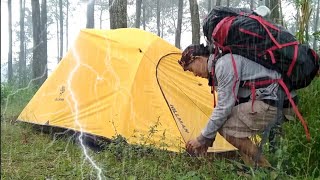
column 192, row 50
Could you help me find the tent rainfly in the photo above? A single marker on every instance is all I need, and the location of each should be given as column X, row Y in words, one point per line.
column 125, row 82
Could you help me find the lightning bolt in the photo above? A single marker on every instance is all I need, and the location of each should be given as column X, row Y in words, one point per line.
column 76, row 113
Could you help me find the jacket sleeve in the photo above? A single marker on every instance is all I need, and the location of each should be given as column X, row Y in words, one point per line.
column 227, row 91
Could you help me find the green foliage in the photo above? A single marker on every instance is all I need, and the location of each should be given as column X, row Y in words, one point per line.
column 295, row 155
column 5, row 91
column 306, row 160
column 14, row 99
column 317, row 35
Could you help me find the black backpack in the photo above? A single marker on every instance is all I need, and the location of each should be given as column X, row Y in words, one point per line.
column 242, row 31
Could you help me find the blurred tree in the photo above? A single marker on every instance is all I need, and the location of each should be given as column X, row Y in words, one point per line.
column 195, row 22
column 39, row 63
column 10, row 71
column 316, row 28
column 90, row 14
column 101, row 6
column 22, row 59
column 118, row 14
column 261, row 3
column 273, row 5
column 305, row 12
column 158, row 17
column 61, row 29
column 57, row 15
column 44, row 40
column 251, row 4
column 144, row 15
column 67, row 25
column 138, row 13
column 179, row 24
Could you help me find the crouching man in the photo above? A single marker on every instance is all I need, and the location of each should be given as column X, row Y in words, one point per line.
column 236, row 122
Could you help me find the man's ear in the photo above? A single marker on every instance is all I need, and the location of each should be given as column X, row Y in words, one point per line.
column 204, row 61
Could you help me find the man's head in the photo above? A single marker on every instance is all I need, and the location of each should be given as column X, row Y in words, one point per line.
column 195, row 59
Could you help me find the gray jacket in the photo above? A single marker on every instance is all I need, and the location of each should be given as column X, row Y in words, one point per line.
column 227, row 93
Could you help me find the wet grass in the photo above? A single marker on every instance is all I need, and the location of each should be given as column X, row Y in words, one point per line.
column 27, row 153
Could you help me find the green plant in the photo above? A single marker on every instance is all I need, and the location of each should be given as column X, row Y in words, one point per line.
column 14, row 99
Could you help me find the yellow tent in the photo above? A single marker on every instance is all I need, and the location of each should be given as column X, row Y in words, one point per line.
column 125, row 82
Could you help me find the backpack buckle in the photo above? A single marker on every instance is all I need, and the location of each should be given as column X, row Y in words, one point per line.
column 245, row 14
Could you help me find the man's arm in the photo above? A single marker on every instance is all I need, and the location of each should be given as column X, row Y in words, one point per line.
column 227, row 91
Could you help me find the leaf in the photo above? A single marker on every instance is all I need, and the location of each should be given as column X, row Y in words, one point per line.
column 274, row 175
column 132, row 177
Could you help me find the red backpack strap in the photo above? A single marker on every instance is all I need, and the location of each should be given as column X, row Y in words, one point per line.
column 264, row 24
column 295, row 108
column 314, row 54
column 253, row 86
column 224, row 48
column 220, row 32
column 212, row 87
column 295, row 54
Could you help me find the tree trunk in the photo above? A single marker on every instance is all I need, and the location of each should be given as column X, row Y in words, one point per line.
column 144, row 15
column 58, row 38
column 138, row 13
column 100, row 17
column 218, row 3
column 316, row 25
column 195, row 21
column 67, row 26
column 304, row 21
column 37, row 50
column 10, row 71
column 307, row 32
column 90, row 14
column 251, row 4
column 209, row 6
column 307, row 16
column 118, row 14
column 22, row 59
column 280, row 14
column 261, row 3
column 228, row 3
column 158, row 17
column 61, row 29
column 213, row 3
column 273, row 5
column 297, row 6
column 179, row 24
column 162, row 28
column 44, row 44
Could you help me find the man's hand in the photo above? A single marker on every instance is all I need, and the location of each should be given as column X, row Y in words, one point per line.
column 194, row 147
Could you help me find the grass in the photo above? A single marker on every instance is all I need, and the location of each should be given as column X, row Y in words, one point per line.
column 30, row 154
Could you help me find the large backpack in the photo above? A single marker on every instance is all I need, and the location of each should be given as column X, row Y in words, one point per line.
column 243, row 32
